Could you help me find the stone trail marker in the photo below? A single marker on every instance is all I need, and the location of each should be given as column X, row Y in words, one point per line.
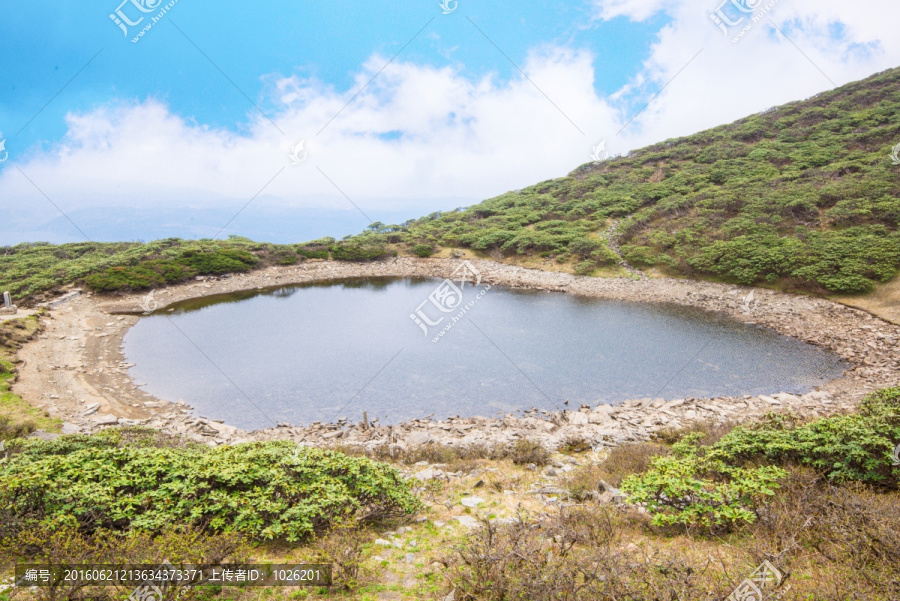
column 8, row 308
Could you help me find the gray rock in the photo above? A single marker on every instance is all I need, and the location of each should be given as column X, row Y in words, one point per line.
column 418, row 438
column 467, row 521
column 68, row 428
column 471, row 502
column 105, row 420
column 578, row 418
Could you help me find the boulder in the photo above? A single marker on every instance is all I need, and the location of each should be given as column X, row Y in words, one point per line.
column 578, row 418
column 418, row 438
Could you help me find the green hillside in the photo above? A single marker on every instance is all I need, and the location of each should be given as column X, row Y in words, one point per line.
column 804, row 195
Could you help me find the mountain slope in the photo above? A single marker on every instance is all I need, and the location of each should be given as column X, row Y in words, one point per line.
column 802, row 195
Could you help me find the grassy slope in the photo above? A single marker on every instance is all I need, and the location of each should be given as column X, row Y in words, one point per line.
column 803, row 195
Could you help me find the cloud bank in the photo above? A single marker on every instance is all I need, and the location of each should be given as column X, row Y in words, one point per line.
column 418, row 134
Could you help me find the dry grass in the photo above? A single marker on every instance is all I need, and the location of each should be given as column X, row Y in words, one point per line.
column 456, row 458
column 628, row 459
column 18, row 418
column 710, row 433
column 843, row 539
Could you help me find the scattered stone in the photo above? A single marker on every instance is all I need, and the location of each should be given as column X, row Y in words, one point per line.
column 382, row 542
column 90, row 409
column 105, row 419
column 471, row 502
column 68, row 428
column 467, row 521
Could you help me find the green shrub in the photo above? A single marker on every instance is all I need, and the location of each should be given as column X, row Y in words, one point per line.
column 844, row 448
column 356, row 251
column 423, row 250
column 584, row 246
column 270, row 490
column 222, row 260
column 723, row 484
column 316, row 249
column 693, row 487
column 157, row 272
column 604, row 256
column 584, row 268
column 124, row 278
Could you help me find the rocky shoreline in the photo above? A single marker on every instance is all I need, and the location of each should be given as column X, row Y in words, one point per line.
column 79, row 356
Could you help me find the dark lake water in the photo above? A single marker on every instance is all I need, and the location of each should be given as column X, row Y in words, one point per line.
column 321, row 352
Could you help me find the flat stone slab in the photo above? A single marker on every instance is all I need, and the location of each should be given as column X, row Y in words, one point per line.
column 68, row 428
column 471, row 501
column 467, row 521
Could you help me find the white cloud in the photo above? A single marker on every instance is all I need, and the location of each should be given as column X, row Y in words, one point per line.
column 418, row 134
column 830, row 41
column 415, row 133
column 636, row 10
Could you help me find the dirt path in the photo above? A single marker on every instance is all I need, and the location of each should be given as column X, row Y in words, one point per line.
column 76, row 369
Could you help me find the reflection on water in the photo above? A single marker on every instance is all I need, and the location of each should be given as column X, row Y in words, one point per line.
column 333, row 349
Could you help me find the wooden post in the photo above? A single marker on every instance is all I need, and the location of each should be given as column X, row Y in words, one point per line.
column 365, row 420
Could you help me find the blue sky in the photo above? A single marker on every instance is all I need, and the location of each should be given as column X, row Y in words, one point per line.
column 170, row 135
column 248, row 41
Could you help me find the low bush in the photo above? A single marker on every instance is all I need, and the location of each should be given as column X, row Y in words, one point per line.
column 316, row 249
column 725, row 483
column 271, row 490
column 357, row 251
column 158, row 272
column 585, row 482
column 525, row 451
column 423, row 250
column 844, row 448
column 584, row 268
column 693, row 487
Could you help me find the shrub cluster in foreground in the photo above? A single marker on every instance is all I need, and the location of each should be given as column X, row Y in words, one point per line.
column 728, row 481
column 266, row 490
